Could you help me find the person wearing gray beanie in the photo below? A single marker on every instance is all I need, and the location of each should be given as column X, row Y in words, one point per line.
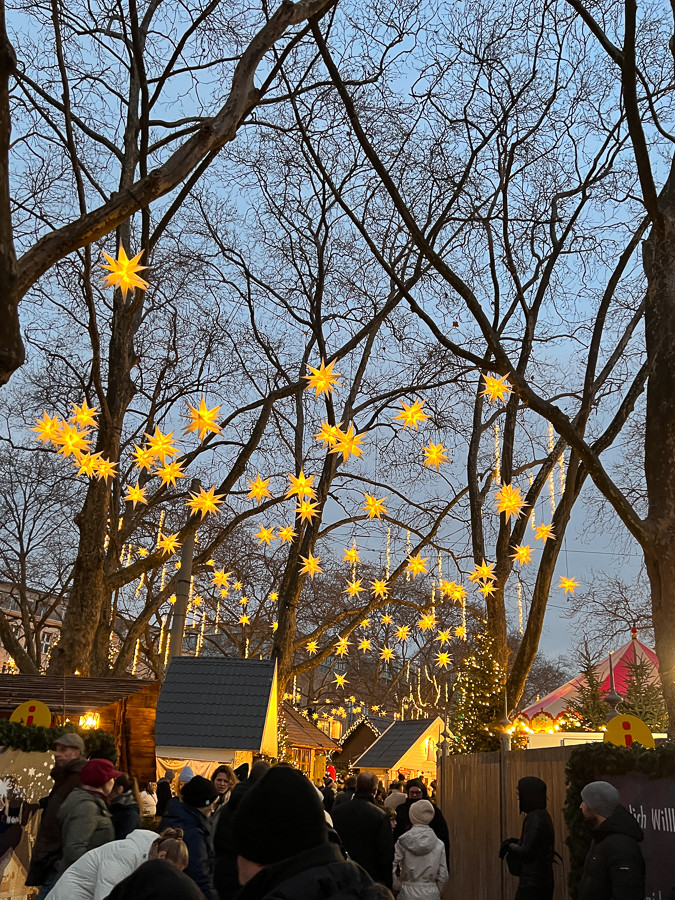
column 614, row 864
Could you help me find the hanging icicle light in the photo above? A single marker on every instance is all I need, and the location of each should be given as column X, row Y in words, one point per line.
column 388, row 567
column 519, row 589
column 498, row 463
column 134, row 665
column 408, row 548
column 551, row 477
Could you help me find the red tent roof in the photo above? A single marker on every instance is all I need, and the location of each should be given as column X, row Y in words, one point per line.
column 556, row 702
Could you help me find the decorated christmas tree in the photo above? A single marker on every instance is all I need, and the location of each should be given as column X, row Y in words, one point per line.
column 589, row 705
column 643, row 698
column 478, row 698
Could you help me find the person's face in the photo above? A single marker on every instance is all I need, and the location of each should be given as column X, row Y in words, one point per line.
column 587, row 812
column 221, row 783
column 63, row 754
column 415, row 793
column 108, row 786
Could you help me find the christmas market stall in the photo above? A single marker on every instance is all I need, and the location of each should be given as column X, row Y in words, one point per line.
column 214, row 710
column 308, row 747
column 407, row 747
column 359, row 736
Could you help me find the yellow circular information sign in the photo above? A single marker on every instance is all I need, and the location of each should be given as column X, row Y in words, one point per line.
column 32, row 712
column 625, row 730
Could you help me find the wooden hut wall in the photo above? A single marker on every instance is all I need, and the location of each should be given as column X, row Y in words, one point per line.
column 132, row 722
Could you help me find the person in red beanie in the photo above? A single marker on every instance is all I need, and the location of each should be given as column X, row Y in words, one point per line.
column 85, row 820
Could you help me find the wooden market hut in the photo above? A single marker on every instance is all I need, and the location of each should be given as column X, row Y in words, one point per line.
column 359, row 736
column 310, row 747
column 407, row 746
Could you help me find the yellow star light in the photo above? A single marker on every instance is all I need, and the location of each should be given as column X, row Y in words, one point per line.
column 417, row 565
column 387, row 619
column 243, row 601
column 374, row 506
column 427, row 622
column 265, row 535
column 443, row 637
column 342, row 647
column 71, row 441
column 509, row 501
column 569, row 584
column 244, row 619
column 312, row 647
column 353, row 588
column 523, row 554
column 365, row 645
column 202, row 420
column 328, row 434
column 221, row 577
column 259, row 488
column 310, row 565
column 351, row 555
column 387, row 654
column 411, row 415
column 168, row 543
column 273, row 596
column 487, row 589
column 447, row 588
column 47, row 428
column 340, row 680
column 483, row 572
column 460, row 632
column 495, row 388
column 168, row 473
column 434, row 455
column 105, row 469
column 160, row 445
column 380, row 589
column 365, row 623
column 224, row 592
column 143, row 457
column 286, row 534
column 403, row 632
column 88, row 464
column 85, row 415
column 442, row 660
column 322, row 379
column 135, row 494
column 275, row 625
column 123, row 272
column 306, row 509
column 301, row 486
column 348, row 444
column 544, row 533
column 237, row 585
column 205, row 501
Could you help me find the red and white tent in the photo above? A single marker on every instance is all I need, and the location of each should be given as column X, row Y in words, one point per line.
column 556, row 702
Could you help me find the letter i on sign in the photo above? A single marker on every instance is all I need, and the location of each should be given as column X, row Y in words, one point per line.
column 627, row 737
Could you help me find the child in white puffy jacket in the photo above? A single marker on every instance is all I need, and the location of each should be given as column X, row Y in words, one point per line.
column 420, row 871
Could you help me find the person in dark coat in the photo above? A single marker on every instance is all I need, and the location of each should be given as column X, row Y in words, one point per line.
column 190, row 814
column 328, row 792
column 156, row 879
column 225, row 875
column 164, row 792
column 283, row 851
column 69, row 760
column 531, row 858
column 347, row 793
column 365, row 831
column 614, row 867
column 416, row 790
column 125, row 806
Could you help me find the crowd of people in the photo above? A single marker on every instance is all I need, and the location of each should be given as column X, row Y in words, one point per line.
column 269, row 833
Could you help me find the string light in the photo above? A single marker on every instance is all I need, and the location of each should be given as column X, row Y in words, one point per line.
column 519, row 589
column 498, row 465
column 561, row 472
column 408, row 548
column 134, row 665
column 551, row 477
column 388, row 567
column 533, row 524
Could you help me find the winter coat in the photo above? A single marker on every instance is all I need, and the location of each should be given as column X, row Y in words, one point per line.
column 95, row 874
column 365, row 833
column 86, row 823
column 394, row 800
column 125, row 814
column 419, row 865
column 614, row 867
column 164, row 796
column 198, row 837
column 156, row 879
column 148, row 804
column 47, row 849
column 226, row 877
column 317, row 874
column 343, row 797
column 438, row 824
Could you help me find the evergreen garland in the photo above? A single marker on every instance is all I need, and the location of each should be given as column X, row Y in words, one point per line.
column 479, row 698
column 28, row 738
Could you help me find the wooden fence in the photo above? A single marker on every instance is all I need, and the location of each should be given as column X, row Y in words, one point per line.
column 479, row 801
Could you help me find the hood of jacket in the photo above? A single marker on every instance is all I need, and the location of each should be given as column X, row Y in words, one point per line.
column 420, row 840
column 77, row 796
column 531, row 793
column 180, row 815
column 620, row 822
column 142, row 840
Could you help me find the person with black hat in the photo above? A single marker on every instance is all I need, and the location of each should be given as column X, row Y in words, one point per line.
column 416, row 790
column 69, row 760
column 614, row 867
column 282, row 845
column 191, row 814
column 531, row 857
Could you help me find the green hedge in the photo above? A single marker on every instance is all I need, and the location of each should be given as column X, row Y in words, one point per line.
column 34, row 737
column 595, row 762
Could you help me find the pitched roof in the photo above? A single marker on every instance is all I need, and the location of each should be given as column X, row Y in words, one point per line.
column 376, row 724
column 388, row 749
column 303, row 733
column 77, row 694
column 214, row 703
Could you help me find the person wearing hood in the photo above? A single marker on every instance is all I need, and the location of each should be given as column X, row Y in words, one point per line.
column 164, row 792
column 614, row 867
column 190, row 813
column 365, row 831
column 416, row 790
column 125, row 806
column 85, row 819
column 420, row 870
column 531, row 858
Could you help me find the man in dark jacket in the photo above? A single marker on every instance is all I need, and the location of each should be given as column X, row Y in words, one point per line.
column 69, row 760
column 190, row 814
column 283, row 852
column 614, row 867
column 416, row 790
column 347, row 793
column 365, row 831
column 531, row 858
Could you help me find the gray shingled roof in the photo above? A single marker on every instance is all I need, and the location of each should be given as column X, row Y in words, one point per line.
column 388, row 749
column 214, row 703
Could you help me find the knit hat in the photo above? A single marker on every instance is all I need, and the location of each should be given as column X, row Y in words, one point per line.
column 186, row 774
column 602, row 797
column 169, row 774
column 70, row 739
column 98, row 772
column 279, row 817
column 421, row 812
column 199, row 792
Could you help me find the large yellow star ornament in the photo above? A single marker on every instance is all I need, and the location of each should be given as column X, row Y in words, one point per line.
column 259, row 489
column 169, row 473
column 322, row 379
column 443, row 660
column 569, row 584
column 160, row 445
column 523, row 554
column 286, row 534
column 168, row 543
column 380, row 589
column 85, row 415
column 265, row 535
column 203, row 420
column 310, row 565
column 342, row 647
column 495, row 388
column 403, row 632
column 483, row 572
column 544, row 533
column 340, row 680
column 135, row 494
column 509, row 501
column 417, row 565
column 348, row 443
column 411, row 415
column 47, row 428
column 353, row 588
column 301, row 486
column 124, row 272
column 374, row 506
column 306, row 509
column 205, row 501
column 351, row 555
column 434, row 455
column 328, row 434
column 387, row 654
